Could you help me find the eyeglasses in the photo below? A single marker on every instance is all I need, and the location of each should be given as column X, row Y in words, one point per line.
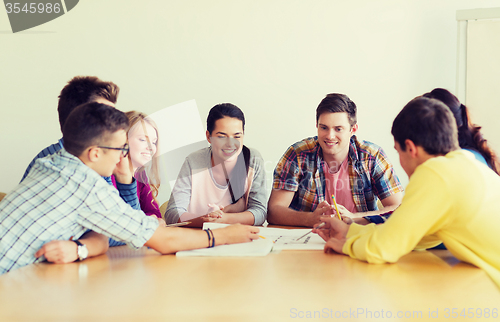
column 124, row 149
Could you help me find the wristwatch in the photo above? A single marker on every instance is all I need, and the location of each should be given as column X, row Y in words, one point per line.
column 81, row 250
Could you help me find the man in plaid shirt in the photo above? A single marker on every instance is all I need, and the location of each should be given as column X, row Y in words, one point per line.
column 64, row 196
column 334, row 165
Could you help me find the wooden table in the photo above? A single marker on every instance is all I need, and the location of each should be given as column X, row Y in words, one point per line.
column 127, row 285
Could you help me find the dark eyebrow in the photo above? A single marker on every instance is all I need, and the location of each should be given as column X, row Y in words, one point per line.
column 321, row 124
column 237, row 133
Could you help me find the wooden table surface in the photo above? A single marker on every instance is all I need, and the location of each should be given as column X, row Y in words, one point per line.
column 128, row 285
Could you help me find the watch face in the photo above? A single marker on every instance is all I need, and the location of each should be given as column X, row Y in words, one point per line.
column 83, row 252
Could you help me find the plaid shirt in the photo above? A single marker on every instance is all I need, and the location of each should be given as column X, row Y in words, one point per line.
column 128, row 192
column 371, row 175
column 62, row 198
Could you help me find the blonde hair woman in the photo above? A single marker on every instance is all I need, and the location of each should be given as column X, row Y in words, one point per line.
column 143, row 152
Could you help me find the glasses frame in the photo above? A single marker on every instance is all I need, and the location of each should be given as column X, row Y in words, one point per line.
column 125, row 149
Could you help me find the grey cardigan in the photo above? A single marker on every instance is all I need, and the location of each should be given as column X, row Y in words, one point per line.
column 201, row 160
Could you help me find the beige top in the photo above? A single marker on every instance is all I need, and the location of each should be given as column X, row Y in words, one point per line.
column 205, row 190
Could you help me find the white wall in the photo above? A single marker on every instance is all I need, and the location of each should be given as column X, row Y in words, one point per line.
column 483, row 71
column 275, row 59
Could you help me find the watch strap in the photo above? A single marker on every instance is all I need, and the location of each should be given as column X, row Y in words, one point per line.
column 79, row 249
column 77, row 242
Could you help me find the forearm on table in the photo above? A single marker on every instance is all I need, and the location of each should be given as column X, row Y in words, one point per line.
column 282, row 215
column 245, row 217
column 169, row 240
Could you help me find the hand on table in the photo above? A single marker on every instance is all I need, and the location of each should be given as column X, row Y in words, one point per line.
column 237, row 233
column 59, row 251
column 334, row 232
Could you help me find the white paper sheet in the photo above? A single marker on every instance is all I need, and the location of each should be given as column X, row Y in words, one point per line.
column 285, row 239
column 258, row 247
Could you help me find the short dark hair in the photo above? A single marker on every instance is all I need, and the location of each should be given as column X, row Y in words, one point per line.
column 429, row 124
column 222, row 110
column 337, row 103
column 83, row 89
column 91, row 124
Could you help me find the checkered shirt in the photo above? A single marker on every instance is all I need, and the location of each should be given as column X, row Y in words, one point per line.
column 371, row 175
column 62, row 198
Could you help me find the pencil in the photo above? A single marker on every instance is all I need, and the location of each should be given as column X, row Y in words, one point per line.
column 310, row 231
column 336, row 208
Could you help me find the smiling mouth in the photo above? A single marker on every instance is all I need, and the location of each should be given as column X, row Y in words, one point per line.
column 228, row 152
column 146, row 155
column 330, row 144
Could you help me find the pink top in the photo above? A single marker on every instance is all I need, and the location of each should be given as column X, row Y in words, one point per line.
column 206, row 190
column 338, row 184
column 148, row 205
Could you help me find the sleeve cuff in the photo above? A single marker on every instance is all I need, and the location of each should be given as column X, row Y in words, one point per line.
column 354, row 229
column 353, row 234
column 258, row 219
column 128, row 192
column 149, row 226
column 378, row 219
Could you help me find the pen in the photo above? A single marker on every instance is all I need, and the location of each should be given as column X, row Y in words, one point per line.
column 336, row 208
column 320, row 225
column 262, row 237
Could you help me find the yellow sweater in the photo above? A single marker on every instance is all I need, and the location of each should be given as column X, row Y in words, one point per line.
column 454, row 199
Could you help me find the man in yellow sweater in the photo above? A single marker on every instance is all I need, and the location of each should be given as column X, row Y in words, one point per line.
column 451, row 197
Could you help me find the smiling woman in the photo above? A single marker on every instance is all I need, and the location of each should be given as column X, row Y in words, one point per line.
column 223, row 183
column 143, row 152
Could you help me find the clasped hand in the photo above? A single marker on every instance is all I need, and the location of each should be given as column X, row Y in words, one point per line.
column 334, row 232
column 215, row 213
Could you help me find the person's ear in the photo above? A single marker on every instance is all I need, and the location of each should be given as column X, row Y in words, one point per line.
column 411, row 148
column 208, row 137
column 93, row 153
column 354, row 128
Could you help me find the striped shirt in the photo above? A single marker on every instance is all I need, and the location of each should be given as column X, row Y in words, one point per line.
column 371, row 175
column 62, row 198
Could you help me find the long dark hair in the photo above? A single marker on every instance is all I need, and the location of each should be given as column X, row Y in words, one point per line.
column 236, row 180
column 469, row 134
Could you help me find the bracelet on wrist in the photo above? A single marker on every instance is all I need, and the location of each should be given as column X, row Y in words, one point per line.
column 209, row 237
column 213, row 238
